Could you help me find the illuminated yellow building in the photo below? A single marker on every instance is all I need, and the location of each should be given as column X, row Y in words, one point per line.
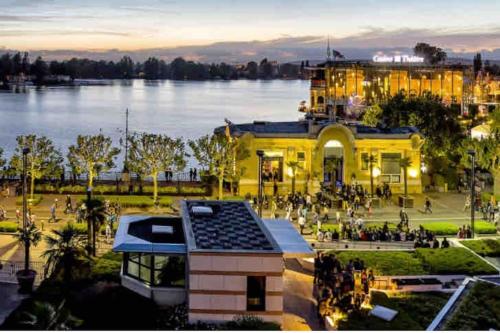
column 326, row 152
column 344, row 85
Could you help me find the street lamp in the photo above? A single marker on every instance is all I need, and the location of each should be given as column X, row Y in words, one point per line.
column 472, row 154
column 260, row 154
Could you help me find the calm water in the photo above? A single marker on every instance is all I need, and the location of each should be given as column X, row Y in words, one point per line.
column 186, row 109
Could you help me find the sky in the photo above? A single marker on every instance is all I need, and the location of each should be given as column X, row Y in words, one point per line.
column 459, row 25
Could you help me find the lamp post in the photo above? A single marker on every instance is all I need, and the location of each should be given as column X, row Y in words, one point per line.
column 260, row 154
column 472, row 154
column 26, row 151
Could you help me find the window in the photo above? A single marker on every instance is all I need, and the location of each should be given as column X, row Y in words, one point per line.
column 364, row 161
column 391, row 169
column 169, row 271
column 301, row 156
column 272, row 168
column 158, row 270
column 256, row 293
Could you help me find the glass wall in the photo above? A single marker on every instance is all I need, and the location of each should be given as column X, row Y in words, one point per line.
column 160, row 270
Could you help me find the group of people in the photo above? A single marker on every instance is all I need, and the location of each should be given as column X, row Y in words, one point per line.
column 193, row 174
column 340, row 288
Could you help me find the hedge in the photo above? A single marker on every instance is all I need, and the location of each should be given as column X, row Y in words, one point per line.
column 478, row 311
column 445, row 228
column 36, row 200
column 112, row 189
column 453, row 260
column 422, row 261
column 484, row 247
column 134, row 201
column 8, row 226
column 386, row 262
column 333, row 226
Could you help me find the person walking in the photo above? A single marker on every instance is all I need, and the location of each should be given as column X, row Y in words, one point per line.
column 427, row 206
column 302, row 223
column 274, row 207
column 69, row 205
column 53, row 213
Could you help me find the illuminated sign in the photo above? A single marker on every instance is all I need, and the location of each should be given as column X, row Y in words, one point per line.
column 397, row 58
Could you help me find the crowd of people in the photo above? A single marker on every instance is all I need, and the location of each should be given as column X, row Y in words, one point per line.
column 340, row 288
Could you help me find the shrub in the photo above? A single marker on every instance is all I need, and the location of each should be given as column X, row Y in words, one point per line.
column 8, row 226
column 486, row 196
column 484, row 247
column 478, row 311
column 249, row 323
column 36, row 200
column 385, row 262
column 453, row 261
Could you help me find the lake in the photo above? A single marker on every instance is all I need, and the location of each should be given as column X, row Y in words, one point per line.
column 176, row 108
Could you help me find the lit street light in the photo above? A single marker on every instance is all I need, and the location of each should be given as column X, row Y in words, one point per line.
column 260, row 154
column 472, row 154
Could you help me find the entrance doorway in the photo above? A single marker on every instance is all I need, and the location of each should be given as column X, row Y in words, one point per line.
column 333, row 162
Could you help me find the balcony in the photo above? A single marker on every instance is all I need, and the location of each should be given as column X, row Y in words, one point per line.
column 318, row 83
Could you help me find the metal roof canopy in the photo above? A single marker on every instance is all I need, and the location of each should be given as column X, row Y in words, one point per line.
column 291, row 243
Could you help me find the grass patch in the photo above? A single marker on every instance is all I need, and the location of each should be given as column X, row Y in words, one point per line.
column 416, row 312
column 386, row 262
column 36, row 200
column 333, row 226
column 8, row 226
column 478, row 311
column 107, row 267
column 133, row 201
column 453, row 261
column 484, row 247
column 445, row 228
column 486, row 196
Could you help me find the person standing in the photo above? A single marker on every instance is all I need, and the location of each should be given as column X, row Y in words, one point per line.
column 69, row 205
column 274, row 207
column 190, row 174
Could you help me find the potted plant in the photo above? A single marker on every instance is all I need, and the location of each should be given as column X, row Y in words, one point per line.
column 26, row 277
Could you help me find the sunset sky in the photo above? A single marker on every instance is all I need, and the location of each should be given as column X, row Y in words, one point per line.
column 132, row 25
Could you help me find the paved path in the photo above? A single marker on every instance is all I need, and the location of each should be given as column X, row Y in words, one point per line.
column 9, row 299
column 299, row 304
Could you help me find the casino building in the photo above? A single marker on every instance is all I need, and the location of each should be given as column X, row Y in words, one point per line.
column 348, row 86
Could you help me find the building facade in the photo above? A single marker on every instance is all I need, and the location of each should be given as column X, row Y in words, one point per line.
column 310, row 153
column 219, row 258
column 348, row 86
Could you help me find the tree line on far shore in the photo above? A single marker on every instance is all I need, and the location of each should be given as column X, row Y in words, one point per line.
column 19, row 64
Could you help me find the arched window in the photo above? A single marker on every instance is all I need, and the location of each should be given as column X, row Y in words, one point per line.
column 321, row 100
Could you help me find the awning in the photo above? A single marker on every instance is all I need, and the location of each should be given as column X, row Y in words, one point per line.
column 291, row 243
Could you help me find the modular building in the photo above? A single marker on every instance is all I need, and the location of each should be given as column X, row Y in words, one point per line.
column 219, row 258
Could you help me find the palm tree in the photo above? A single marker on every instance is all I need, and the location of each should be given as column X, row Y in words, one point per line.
column 28, row 236
column 96, row 215
column 44, row 316
column 405, row 163
column 66, row 249
column 294, row 167
column 372, row 160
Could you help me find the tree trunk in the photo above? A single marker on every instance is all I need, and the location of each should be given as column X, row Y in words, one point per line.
column 94, row 238
column 293, row 184
column 26, row 255
column 221, row 181
column 155, row 186
column 371, row 179
column 32, row 187
column 405, row 169
column 91, row 179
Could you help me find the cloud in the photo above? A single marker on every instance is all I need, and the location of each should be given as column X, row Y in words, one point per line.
column 14, row 33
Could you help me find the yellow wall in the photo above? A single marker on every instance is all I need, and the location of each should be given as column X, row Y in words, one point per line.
column 311, row 176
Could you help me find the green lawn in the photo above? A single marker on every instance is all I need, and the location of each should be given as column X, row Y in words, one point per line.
column 415, row 312
column 133, row 201
column 8, row 226
column 478, row 311
column 36, row 200
column 453, row 261
column 386, row 262
column 422, row 261
column 444, row 228
column 484, row 247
